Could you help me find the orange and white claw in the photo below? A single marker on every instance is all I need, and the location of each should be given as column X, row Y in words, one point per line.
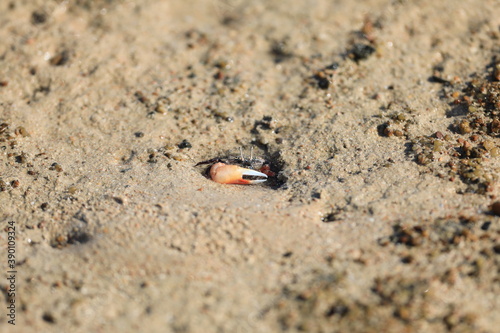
column 233, row 174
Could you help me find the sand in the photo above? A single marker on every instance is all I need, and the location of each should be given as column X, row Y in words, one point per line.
column 378, row 217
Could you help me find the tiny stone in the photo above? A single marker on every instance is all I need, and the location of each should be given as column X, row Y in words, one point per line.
column 398, row 133
column 21, row 131
column 323, row 82
column 495, row 208
column 60, row 59
column 488, row 145
column 3, row 127
column 331, row 217
column 401, row 117
column 49, row 318
column 184, row 144
column 21, row 159
column 162, row 109
column 361, row 51
column 38, row 17
column 332, row 66
column 494, row 152
column 464, row 127
column 474, row 138
column 495, row 126
column 486, row 226
column 56, row 167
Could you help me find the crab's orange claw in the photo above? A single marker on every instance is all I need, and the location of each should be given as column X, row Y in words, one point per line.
column 233, row 174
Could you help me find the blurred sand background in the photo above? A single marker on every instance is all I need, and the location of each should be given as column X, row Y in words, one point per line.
column 378, row 218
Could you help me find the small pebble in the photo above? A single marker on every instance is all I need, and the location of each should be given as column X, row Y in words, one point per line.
column 38, row 17
column 21, row 131
column 486, row 226
column 184, row 144
column 3, row 127
column 322, row 81
column 464, row 127
column 56, row 167
column 361, row 51
column 60, row 59
column 495, row 208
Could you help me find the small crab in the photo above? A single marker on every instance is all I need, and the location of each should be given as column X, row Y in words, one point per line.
column 238, row 170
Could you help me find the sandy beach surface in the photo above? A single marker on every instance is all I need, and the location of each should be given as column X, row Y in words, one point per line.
column 379, row 121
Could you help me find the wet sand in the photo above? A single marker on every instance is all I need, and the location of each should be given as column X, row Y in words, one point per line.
column 379, row 120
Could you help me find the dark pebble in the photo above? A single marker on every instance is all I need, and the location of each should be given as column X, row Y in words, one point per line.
column 495, row 208
column 141, row 97
column 38, row 17
column 329, row 218
column 486, row 225
column 21, row 159
column 437, row 79
column 332, row 66
column 48, row 317
column 361, row 51
column 184, row 144
column 280, row 51
column 407, row 259
column 323, row 82
column 340, row 310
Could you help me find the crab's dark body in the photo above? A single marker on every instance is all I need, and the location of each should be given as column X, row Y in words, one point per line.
column 251, row 163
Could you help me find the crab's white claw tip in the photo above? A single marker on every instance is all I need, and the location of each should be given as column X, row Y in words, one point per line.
column 253, row 173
